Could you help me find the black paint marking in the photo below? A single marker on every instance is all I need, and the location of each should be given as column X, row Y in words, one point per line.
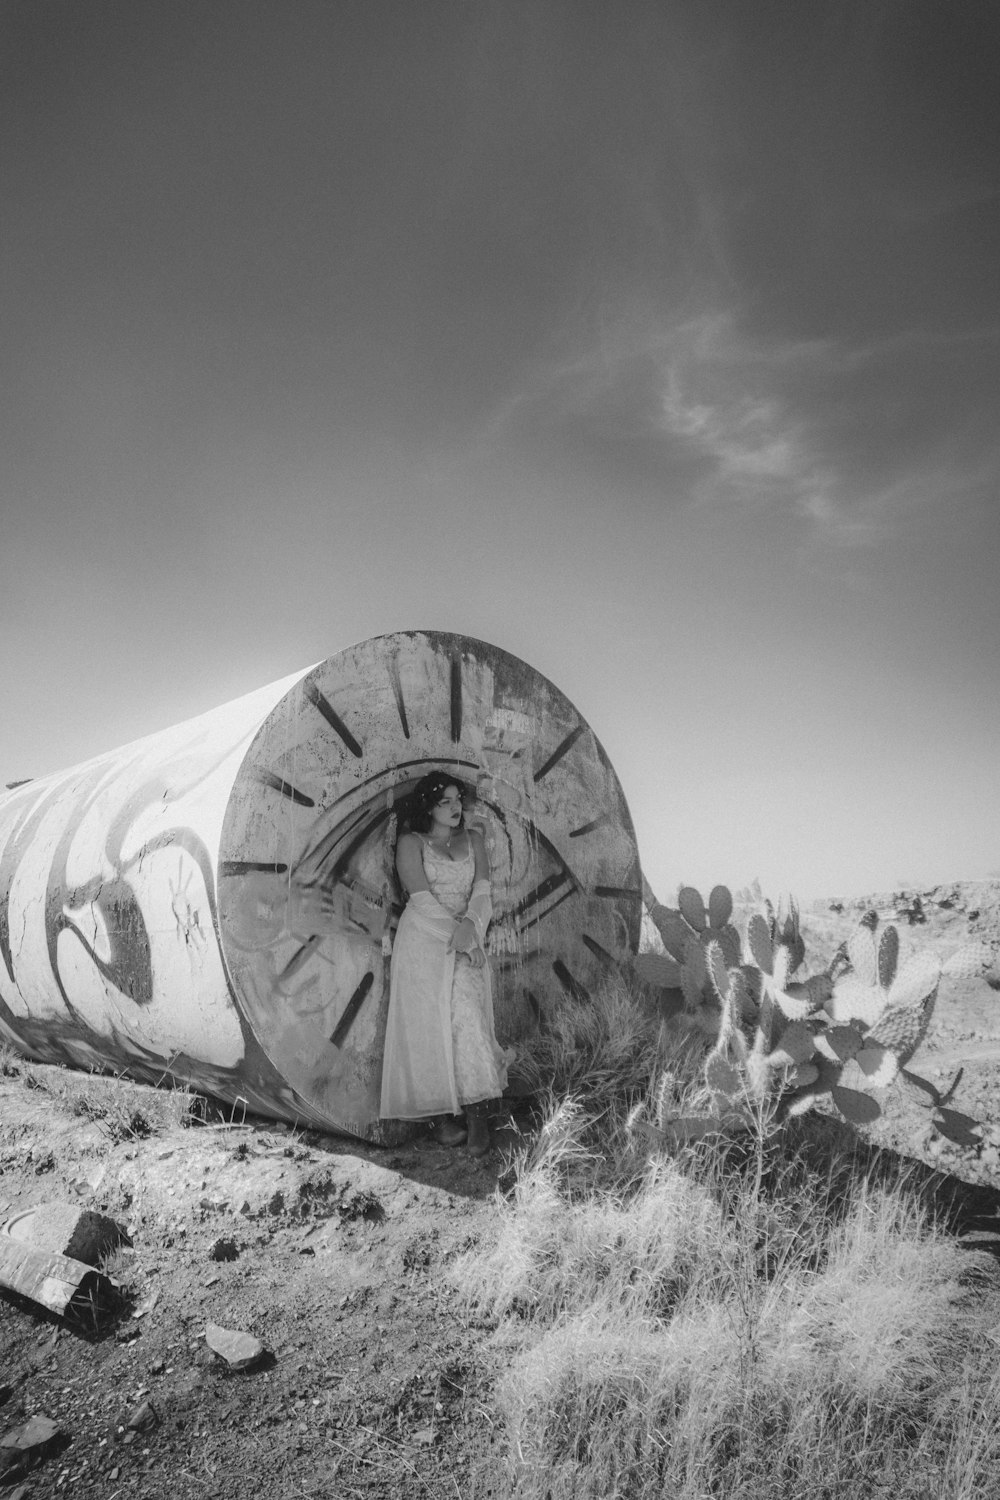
column 548, row 887
column 581, row 832
column 617, row 893
column 601, row 954
column 563, row 748
column 392, row 667
column 268, row 778
column 572, row 986
column 249, row 866
column 296, row 961
column 533, row 921
column 456, row 698
column 404, row 765
column 351, row 1010
column 336, row 723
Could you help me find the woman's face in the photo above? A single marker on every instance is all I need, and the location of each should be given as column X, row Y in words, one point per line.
column 446, row 814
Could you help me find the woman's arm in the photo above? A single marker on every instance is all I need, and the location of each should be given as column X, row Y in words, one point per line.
column 470, row 934
column 410, row 864
column 482, row 858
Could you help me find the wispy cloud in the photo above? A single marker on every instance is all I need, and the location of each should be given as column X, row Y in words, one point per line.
column 734, row 400
column 722, row 410
column 846, row 439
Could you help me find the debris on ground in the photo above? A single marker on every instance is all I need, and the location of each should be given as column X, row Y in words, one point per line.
column 28, row 1445
column 239, row 1350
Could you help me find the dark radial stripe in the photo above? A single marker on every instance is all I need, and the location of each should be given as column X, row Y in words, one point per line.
column 456, row 698
column 536, row 1009
column 601, row 954
column 248, row 866
column 561, row 749
column 336, row 723
column 548, row 887
column 392, row 667
column 572, row 986
column 585, row 828
column 275, row 782
column 617, row 893
column 296, row 961
column 539, row 915
column 351, row 1009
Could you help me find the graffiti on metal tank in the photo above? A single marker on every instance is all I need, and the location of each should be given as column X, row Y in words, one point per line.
column 216, row 904
column 98, row 919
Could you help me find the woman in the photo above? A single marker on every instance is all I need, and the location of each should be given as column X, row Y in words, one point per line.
column 441, row 1052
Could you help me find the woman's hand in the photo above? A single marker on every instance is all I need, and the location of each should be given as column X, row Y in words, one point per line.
column 464, row 942
column 464, row 938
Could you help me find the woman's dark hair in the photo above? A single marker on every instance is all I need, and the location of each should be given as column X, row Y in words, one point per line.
column 416, row 812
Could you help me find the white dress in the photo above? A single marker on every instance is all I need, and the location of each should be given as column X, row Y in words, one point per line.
column 441, row 1050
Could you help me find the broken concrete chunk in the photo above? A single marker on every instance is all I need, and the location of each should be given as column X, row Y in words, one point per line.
column 78, row 1233
column 62, row 1285
column 26, row 1446
column 239, row 1350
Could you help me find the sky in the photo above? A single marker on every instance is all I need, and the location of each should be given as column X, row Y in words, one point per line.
column 655, row 343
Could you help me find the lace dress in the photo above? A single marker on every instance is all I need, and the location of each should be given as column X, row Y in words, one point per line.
column 441, row 1051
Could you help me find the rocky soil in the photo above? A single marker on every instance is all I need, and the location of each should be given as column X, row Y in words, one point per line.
column 335, row 1257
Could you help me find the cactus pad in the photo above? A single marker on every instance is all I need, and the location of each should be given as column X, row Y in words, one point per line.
column 722, row 1077
column 839, row 1043
column 659, row 969
column 862, row 953
column 902, row 1029
column 673, row 929
column 728, row 940
column 878, row 1064
column 967, row 962
column 796, row 1046
column 717, row 971
column 759, row 942
column 888, row 956
column 915, row 981
column 692, row 907
column 720, row 906
column 854, row 1000
column 859, row 1108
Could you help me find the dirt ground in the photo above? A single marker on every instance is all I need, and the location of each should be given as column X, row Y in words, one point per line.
column 335, row 1255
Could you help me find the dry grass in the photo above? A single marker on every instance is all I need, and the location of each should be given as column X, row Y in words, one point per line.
column 122, row 1109
column 740, row 1320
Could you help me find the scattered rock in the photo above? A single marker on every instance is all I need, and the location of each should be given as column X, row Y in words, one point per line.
column 144, row 1418
column 28, row 1445
column 239, row 1350
column 147, row 1306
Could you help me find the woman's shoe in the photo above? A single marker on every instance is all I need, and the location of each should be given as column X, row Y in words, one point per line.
column 450, row 1132
column 478, row 1120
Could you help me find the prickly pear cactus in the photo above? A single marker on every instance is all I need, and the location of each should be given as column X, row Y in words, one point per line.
column 781, row 1043
column 688, row 930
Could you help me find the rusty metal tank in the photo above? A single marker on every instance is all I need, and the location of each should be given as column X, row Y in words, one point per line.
column 214, row 904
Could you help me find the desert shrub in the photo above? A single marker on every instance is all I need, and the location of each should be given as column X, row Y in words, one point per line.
column 746, row 1314
column 11, row 1062
column 603, row 1049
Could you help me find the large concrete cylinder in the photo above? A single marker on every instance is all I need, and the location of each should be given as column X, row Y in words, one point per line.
column 214, row 904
